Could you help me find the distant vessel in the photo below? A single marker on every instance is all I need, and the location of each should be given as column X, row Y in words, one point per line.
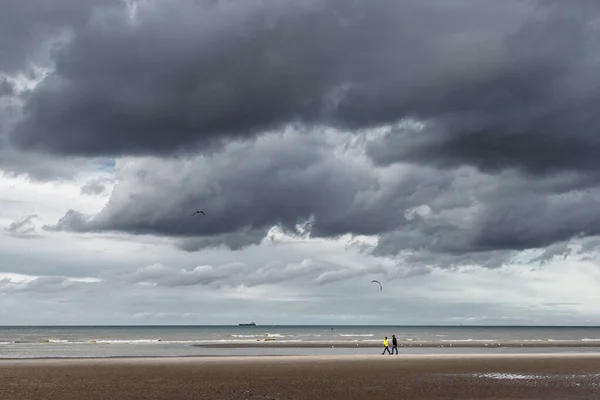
column 250, row 324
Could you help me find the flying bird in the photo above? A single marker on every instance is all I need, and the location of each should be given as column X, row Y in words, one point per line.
column 198, row 212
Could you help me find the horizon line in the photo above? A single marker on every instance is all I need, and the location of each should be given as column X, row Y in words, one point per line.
column 299, row 325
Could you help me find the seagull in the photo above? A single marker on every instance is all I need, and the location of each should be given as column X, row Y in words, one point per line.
column 198, row 212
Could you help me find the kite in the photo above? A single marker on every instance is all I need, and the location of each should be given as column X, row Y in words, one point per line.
column 380, row 287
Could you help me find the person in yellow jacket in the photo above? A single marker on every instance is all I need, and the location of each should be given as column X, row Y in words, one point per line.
column 386, row 345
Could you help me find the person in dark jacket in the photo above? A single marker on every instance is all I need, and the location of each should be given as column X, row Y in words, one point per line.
column 394, row 344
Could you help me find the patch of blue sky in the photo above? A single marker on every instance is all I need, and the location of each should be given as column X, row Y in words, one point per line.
column 105, row 164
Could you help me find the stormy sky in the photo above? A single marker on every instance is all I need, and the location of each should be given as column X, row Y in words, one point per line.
column 448, row 149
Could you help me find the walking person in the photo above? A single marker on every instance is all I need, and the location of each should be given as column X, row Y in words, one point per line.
column 386, row 345
column 394, row 344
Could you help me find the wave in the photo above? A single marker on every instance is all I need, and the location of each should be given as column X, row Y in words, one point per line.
column 309, row 339
column 126, row 341
column 356, row 334
column 510, row 376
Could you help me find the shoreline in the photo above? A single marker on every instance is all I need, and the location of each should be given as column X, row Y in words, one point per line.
column 404, row 344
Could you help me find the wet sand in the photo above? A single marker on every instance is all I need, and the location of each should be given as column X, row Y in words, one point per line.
column 523, row 376
column 424, row 344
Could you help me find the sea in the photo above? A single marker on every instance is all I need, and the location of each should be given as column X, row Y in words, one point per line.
column 18, row 342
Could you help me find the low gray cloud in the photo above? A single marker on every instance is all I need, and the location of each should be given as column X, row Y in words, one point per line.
column 421, row 260
column 234, row 240
column 338, row 275
column 589, row 245
column 23, row 227
column 556, row 250
column 237, row 274
column 72, row 221
column 96, row 186
column 40, row 167
column 43, row 285
column 161, row 275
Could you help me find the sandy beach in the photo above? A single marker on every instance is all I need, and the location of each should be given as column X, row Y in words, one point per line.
column 540, row 376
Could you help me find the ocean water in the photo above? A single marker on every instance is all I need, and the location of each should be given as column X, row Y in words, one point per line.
column 165, row 341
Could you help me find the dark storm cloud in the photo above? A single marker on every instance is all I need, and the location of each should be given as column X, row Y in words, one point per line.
column 449, row 218
column 535, row 109
column 27, row 27
column 30, row 31
column 190, row 73
column 504, row 213
column 452, row 217
column 490, row 85
column 246, row 189
column 7, row 88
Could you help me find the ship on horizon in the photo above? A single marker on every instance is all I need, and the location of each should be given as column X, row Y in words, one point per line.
column 250, row 324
